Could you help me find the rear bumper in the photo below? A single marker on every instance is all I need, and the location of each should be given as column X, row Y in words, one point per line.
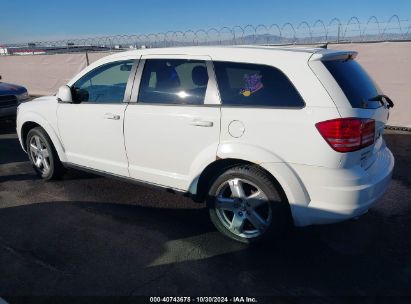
column 341, row 194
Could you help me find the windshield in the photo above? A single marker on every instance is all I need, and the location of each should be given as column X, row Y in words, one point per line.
column 356, row 84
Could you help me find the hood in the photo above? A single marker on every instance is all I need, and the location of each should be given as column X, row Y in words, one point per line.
column 11, row 89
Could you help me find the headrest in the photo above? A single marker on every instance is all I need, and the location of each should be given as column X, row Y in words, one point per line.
column 199, row 75
column 167, row 78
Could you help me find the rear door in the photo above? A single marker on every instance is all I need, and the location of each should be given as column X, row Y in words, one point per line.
column 172, row 124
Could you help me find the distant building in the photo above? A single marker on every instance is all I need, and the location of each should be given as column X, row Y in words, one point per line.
column 3, row 50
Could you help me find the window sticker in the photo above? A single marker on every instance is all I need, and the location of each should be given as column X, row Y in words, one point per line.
column 252, row 84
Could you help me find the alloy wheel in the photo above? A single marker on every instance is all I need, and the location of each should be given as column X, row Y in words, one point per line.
column 243, row 208
column 40, row 154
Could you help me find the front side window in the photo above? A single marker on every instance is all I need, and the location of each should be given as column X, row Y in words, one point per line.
column 255, row 85
column 173, row 81
column 105, row 84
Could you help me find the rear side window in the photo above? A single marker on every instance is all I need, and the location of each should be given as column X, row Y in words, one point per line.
column 356, row 84
column 173, row 81
column 255, row 85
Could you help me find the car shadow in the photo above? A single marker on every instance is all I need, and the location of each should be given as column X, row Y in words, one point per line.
column 18, row 177
column 87, row 248
column 10, row 149
column 83, row 248
column 12, row 153
column 98, row 236
column 400, row 146
column 7, row 126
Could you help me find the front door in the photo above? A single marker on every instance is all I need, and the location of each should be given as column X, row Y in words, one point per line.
column 91, row 127
column 173, row 128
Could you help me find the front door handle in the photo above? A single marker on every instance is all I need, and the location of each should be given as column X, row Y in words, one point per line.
column 201, row 123
column 112, row 116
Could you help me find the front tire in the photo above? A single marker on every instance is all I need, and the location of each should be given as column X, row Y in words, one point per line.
column 43, row 155
column 246, row 205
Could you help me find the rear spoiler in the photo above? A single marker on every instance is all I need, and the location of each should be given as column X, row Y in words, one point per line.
column 325, row 55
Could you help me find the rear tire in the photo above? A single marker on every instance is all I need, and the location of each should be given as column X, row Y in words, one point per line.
column 43, row 155
column 246, row 205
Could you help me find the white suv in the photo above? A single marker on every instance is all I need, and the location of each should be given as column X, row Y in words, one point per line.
column 262, row 134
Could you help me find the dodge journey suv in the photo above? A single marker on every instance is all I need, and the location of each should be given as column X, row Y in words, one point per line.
column 264, row 135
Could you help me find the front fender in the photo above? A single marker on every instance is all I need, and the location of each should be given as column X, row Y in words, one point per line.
column 38, row 119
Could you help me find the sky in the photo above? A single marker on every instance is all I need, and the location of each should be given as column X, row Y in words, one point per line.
column 37, row 20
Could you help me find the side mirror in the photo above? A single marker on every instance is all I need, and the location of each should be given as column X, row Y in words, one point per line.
column 64, row 94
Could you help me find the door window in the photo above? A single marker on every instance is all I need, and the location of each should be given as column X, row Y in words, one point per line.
column 105, row 84
column 173, row 81
column 244, row 84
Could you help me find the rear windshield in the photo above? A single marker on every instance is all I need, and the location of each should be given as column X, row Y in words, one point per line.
column 356, row 84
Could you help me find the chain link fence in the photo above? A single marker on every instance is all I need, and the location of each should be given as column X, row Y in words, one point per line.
column 333, row 31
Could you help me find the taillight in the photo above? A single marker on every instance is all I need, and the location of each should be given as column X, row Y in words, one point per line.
column 347, row 134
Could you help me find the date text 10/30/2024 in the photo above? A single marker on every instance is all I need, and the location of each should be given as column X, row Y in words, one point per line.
column 203, row 300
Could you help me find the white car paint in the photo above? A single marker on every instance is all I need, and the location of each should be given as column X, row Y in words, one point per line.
column 42, row 111
column 162, row 146
column 171, row 159
column 101, row 144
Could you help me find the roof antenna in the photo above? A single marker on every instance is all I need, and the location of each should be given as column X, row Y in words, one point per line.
column 323, row 46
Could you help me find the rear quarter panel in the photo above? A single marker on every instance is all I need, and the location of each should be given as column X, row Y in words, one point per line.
column 284, row 135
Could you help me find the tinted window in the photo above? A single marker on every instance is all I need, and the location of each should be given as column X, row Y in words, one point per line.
column 173, row 81
column 357, row 86
column 105, row 84
column 255, row 85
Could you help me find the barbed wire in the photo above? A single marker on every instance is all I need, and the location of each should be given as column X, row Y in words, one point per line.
column 334, row 31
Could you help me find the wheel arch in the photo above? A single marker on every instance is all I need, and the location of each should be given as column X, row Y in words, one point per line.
column 25, row 129
column 34, row 122
column 199, row 187
column 288, row 183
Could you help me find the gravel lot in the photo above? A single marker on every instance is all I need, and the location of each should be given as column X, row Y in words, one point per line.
column 89, row 235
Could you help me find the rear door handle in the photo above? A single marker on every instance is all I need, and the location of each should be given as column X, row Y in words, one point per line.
column 201, row 123
column 112, row 116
